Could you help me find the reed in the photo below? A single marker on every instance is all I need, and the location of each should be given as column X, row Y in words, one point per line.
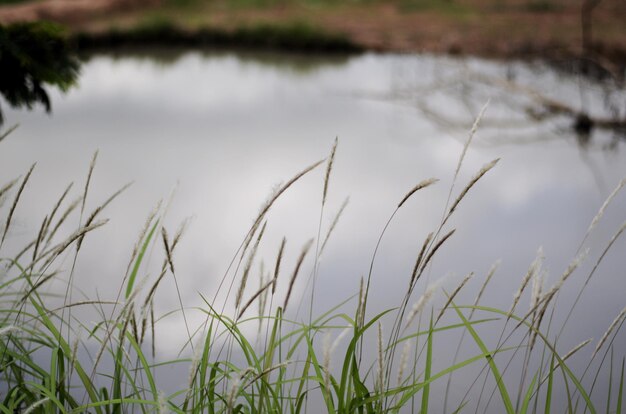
column 111, row 366
column 421, row 303
column 484, row 169
column 5, row 189
column 532, row 272
column 296, row 270
column 329, row 169
column 16, row 200
column 334, row 224
column 279, row 259
column 246, row 270
column 618, row 319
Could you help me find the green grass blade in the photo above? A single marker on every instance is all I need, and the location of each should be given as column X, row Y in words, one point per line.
column 328, row 400
column 439, row 329
column 144, row 363
column 117, row 402
column 203, row 368
column 85, row 380
column 548, row 404
column 528, row 396
column 133, row 275
column 302, row 392
column 117, row 378
column 350, row 351
column 52, row 376
column 300, row 402
column 211, row 390
column 62, row 376
column 427, row 370
column 361, row 391
column 567, row 372
column 50, row 395
column 506, row 399
column 268, row 358
column 271, row 348
column 410, row 390
column 570, row 409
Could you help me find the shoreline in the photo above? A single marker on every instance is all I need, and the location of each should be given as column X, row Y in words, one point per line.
column 552, row 35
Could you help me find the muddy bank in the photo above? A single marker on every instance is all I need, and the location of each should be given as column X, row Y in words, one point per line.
column 68, row 11
column 471, row 28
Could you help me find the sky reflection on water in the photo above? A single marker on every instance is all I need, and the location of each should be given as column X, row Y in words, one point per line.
column 219, row 131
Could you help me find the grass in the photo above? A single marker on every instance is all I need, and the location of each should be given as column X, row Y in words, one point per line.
column 270, row 360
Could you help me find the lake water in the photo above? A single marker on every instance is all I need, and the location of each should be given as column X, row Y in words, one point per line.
column 213, row 133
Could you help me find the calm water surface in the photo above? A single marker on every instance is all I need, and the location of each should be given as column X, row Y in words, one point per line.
column 213, row 134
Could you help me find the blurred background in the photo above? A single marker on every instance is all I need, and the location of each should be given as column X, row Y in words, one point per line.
column 209, row 105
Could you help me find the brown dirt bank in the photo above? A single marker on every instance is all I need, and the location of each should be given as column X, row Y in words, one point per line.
column 492, row 28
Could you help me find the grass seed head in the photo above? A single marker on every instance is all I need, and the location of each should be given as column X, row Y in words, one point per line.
column 485, row 168
column 608, row 332
column 532, row 270
column 422, row 302
column 294, row 275
column 329, row 168
column 419, row 186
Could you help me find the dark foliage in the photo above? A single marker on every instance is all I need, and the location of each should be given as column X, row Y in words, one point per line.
column 33, row 55
column 288, row 37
